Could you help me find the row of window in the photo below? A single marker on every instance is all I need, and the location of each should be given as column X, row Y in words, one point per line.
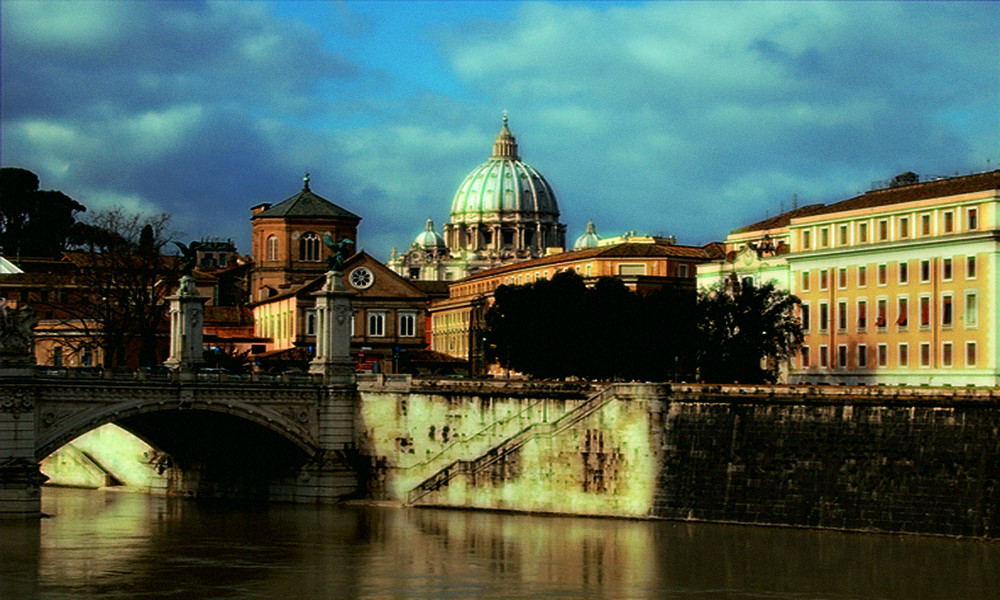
column 87, row 356
column 925, row 313
column 310, row 248
column 926, row 272
column 277, row 326
column 625, row 269
column 406, row 324
column 845, row 359
column 902, row 226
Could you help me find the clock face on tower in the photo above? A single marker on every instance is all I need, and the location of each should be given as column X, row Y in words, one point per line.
column 362, row 278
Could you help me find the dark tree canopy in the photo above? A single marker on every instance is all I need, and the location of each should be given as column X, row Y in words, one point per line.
column 535, row 328
column 560, row 328
column 745, row 331
column 34, row 222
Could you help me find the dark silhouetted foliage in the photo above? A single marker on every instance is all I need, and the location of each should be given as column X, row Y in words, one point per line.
column 34, row 222
column 745, row 331
column 560, row 328
column 125, row 278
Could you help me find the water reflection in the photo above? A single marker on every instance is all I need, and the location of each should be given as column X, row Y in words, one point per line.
column 107, row 545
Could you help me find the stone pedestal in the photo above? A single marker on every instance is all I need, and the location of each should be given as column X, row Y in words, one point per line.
column 333, row 332
column 20, row 477
column 187, row 318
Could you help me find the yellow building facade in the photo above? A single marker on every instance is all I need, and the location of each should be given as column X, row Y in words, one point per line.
column 898, row 285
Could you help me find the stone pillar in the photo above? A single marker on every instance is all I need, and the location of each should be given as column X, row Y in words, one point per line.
column 187, row 317
column 20, row 477
column 331, row 475
column 333, row 332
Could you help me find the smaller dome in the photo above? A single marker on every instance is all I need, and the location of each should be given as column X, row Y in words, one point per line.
column 589, row 239
column 429, row 239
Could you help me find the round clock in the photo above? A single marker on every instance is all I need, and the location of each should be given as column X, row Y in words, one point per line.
column 362, row 278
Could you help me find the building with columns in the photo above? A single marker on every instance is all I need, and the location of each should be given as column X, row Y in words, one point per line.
column 503, row 212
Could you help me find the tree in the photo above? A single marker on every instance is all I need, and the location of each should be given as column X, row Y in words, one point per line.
column 534, row 328
column 33, row 222
column 560, row 328
column 613, row 337
column 670, row 331
column 122, row 283
column 744, row 331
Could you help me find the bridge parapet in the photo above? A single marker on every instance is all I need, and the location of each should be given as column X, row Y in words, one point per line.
column 174, row 376
column 461, row 385
column 836, row 393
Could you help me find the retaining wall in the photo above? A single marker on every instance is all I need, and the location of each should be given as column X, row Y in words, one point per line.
column 917, row 460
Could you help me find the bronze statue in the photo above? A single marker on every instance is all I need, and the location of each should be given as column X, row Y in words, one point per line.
column 190, row 256
column 340, row 249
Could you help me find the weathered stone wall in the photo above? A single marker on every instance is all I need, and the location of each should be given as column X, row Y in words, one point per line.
column 527, row 446
column 923, row 461
column 862, row 458
column 411, row 429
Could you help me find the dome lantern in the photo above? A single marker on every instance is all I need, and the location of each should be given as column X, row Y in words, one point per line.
column 505, row 145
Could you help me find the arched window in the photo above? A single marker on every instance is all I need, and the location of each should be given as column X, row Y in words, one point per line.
column 309, row 246
column 272, row 247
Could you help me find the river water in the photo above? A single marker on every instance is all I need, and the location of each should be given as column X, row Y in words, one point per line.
column 119, row 545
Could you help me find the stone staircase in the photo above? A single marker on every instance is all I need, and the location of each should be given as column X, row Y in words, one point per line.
column 497, row 453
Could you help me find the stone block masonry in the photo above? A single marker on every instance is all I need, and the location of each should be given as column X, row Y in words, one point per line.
column 926, row 461
column 915, row 460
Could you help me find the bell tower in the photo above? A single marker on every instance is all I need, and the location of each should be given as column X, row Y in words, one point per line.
column 288, row 247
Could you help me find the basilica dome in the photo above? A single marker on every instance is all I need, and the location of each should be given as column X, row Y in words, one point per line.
column 589, row 239
column 504, row 184
column 428, row 239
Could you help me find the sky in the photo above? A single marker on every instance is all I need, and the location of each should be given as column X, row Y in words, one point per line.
column 676, row 118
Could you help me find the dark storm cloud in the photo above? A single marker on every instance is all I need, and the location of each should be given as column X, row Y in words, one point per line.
column 135, row 56
column 685, row 118
column 162, row 106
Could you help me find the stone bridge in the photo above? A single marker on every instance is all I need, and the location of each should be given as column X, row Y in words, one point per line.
column 282, row 438
column 246, row 437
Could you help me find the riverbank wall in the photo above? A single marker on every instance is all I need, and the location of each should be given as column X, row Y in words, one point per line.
column 865, row 458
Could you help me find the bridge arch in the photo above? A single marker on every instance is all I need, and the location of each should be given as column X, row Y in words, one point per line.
column 220, row 449
column 291, row 429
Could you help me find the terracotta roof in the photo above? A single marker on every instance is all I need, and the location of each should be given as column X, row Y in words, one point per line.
column 237, row 315
column 625, row 250
column 44, row 265
column 782, row 220
column 715, row 250
column 939, row 188
column 432, row 288
column 86, row 259
column 306, row 204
